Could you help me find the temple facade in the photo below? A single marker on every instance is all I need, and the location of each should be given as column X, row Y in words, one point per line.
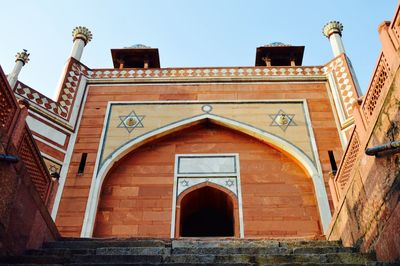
column 146, row 151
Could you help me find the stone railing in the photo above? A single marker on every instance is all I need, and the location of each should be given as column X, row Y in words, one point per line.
column 8, row 105
column 347, row 165
column 395, row 31
column 16, row 133
column 374, row 92
column 35, row 166
column 25, row 183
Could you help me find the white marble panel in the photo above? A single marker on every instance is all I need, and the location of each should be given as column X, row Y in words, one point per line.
column 46, row 131
column 207, row 165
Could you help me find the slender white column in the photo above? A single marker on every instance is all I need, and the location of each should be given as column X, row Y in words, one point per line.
column 333, row 31
column 81, row 37
column 21, row 59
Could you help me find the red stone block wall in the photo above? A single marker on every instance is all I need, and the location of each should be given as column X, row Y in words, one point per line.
column 278, row 197
column 24, row 183
column 368, row 208
column 74, row 198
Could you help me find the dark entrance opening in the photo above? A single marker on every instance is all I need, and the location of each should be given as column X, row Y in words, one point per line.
column 207, row 212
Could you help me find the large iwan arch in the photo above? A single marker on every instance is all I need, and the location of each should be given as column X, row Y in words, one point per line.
column 280, row 144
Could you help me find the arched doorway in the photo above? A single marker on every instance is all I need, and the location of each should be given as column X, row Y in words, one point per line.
column 207, row 210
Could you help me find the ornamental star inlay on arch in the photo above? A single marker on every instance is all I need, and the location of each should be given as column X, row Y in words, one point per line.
column 229, row 183
column 282, row 120
column 131, row 121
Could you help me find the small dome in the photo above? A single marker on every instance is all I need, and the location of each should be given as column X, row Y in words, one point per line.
column 272, row 44
column 139, row 45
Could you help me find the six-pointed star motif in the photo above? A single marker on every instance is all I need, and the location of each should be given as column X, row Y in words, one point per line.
column 184, row 183
column 229, row 183
column 282, row 120
column 131, row 121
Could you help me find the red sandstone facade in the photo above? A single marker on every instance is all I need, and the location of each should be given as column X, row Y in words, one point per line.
column 26, row 187
column 276, row 193
column 365, row 189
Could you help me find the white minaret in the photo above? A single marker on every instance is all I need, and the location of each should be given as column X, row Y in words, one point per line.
column 333, row 31
column 21, row 59
column 81, row 37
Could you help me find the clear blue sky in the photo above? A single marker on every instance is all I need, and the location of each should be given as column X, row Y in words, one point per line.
column 188, row 33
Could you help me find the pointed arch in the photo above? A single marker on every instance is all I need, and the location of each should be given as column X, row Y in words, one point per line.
column 277, row 142
column 228, row 193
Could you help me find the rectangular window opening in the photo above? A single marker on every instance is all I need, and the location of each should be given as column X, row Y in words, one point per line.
column 82, row 163
column 333, row 162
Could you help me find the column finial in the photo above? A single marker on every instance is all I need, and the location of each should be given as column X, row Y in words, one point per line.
column 22, row 56
column 82, row 33
column 332, row 27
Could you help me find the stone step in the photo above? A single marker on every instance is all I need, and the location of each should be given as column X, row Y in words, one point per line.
column 67, row 252
column 253, row 243
column 192, row 250
column 33, row 259
column 108, row 259
column 102, row 251
column 216, row 264
column 61, row 251
column 225, row 264
column 95, row 243
column 348, row 258
column 192, row 259
column 352, row 258
column 133, row 251
column 262, row 250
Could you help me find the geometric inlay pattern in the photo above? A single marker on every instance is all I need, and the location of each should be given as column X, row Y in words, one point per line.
column 346, row 88
column 131, row 121
column 206, row 108
column 75, row 70
column 282, row 120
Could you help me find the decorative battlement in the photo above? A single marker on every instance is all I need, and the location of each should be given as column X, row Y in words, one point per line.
column 82, row 33
column 332, row 27
column 215, row 72
column 39, row 99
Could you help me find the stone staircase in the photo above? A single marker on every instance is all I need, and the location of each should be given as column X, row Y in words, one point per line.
column 81, row 251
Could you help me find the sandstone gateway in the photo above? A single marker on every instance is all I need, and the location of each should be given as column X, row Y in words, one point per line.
column 270, row 151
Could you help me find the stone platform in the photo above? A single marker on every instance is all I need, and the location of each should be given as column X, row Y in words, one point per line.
column 202, row 251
